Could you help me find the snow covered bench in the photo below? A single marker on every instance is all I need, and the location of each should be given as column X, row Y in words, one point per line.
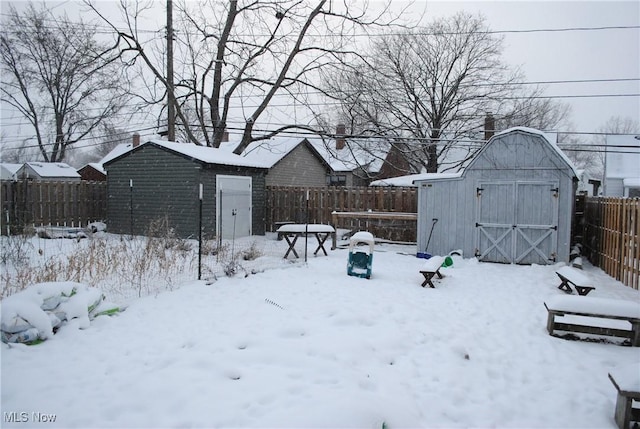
column 571, row 276
column 431, row 268
column 626, row 380
column 597, row 316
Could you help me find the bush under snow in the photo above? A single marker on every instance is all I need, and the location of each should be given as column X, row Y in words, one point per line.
column 34, row 314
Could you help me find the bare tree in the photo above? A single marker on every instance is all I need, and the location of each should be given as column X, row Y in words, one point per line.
column 428, row 91
column 234, row 58
column 58, row 77
column 614, row 125
column 531, row 109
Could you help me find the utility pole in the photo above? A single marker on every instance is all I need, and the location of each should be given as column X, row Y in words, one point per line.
column 171, row 116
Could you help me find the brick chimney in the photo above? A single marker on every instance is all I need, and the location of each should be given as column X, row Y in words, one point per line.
column 489, row 126
column 340, row 132
column 136, row 140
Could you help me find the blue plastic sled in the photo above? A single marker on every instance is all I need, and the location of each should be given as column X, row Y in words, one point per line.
column 360, row 259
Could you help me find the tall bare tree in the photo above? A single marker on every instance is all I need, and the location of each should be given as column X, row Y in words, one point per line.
column 428, row 91
column 613, row 125
column 234, row 58
column 58, row 77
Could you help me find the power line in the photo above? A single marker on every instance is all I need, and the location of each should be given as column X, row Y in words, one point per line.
column 104, row 29
column 460, row 141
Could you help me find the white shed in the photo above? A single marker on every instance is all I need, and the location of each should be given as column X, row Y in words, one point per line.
column 512, row 204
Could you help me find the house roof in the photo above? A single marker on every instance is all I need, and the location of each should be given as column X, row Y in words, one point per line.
column 203, row 154
column 95, row 165
column 272, row 151
column 368, row 154
column 52, row 169
column 8, row 170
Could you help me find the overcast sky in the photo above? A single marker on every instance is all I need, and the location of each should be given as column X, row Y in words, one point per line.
column 570, row 55
column 545, row 56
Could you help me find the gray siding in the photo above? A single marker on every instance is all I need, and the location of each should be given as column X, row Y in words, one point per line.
column 299, row 168
column 167, row 184
column 613, row 187
column 516, row 157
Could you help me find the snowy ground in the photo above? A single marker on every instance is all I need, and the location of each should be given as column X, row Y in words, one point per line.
column 306, row 346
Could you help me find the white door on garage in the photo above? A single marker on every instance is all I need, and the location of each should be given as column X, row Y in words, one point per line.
column 233, row 207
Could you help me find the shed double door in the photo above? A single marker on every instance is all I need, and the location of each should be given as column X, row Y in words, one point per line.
column 517, row 222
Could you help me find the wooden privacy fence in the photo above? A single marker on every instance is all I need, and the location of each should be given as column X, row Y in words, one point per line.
column 611, row 238
column 289, row 203
column 51, row 203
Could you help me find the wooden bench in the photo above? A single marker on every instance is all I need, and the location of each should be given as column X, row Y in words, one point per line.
column 574, row 277
column 431, row 268
column 591, row 310
column 626, row 380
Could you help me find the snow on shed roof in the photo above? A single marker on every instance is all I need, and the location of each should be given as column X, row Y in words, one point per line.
column 120, row 149
column 207, row 155
column 53, row 169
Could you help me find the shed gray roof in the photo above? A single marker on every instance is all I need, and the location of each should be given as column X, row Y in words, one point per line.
column 544, row 136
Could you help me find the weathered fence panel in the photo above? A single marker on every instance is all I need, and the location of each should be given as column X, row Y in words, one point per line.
column 316, row 205
column 38, row 203
column 611, row 238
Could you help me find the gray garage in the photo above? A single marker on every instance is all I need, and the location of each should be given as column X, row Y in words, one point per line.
column 161, row 180
column 512, row 204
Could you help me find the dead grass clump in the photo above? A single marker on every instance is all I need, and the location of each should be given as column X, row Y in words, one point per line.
column 252, row 252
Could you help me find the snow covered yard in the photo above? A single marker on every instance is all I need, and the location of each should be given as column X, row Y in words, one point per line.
column 305, row 345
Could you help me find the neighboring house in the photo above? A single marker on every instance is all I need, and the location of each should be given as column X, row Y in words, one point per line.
column 317, row 162
column 160, row 179
column 291, row 161
column 586, row 185
column 356, row 162
column 8, row 171
column 622, row 166
column 513, row 203
column 93, row 171
column 47, row 171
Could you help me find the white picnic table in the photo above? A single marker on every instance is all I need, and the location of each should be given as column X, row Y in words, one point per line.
column 292, row 231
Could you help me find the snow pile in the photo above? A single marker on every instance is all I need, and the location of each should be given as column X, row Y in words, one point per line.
column 33, row 315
